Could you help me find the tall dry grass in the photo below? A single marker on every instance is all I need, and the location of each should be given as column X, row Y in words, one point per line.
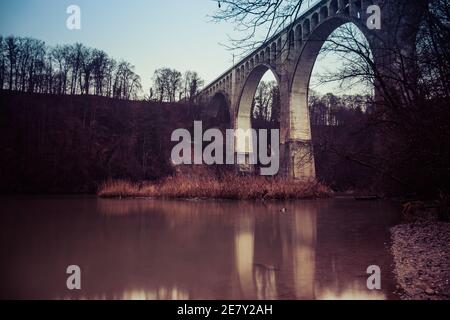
column 227, row 187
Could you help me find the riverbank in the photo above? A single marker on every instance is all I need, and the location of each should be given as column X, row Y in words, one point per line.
column 421, row 251
column 227, row 187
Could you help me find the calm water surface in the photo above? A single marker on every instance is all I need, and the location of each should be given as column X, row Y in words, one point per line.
column 148, row 249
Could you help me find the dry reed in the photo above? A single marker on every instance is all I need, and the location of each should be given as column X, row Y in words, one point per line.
column 227, row 187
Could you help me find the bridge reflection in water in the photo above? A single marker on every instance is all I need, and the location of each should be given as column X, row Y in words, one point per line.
column 145, row 249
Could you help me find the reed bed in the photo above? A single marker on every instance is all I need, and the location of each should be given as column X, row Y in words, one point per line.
column 227, row 187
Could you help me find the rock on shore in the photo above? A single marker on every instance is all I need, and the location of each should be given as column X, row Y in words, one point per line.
column 421, row 253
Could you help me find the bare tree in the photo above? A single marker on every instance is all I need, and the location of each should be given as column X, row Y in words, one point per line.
column 12, row 52
column 99, row 71
column 266, row 106
column 262, row 103
column 27, row 64
column 87, row 67
column 167, row 84
column 2, row 62
column 60, row 54
column 192, row 85
column 127, row 83
column 257, row 21
column 111, row 65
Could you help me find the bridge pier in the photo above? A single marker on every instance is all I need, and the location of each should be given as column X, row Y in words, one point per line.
column 300, row 160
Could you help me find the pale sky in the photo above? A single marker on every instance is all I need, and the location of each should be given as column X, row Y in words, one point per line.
column 149, row 34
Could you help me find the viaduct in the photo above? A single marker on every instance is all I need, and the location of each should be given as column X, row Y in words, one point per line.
column 291, row 55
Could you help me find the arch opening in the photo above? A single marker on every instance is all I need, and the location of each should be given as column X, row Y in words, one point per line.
column 298, row 36
column 306, row 29
column 345, row 7
column 314, row 20
column 291, row 43
column 258, row 108
column 323, row 13
column 356, row 8
column 321, row 109
column 333, row 7
column 218, row 112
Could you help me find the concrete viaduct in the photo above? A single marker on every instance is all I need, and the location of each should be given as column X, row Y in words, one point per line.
column 291, row 55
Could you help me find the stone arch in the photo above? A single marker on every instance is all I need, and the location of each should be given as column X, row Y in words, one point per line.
column 245, row 100
column 299, row 122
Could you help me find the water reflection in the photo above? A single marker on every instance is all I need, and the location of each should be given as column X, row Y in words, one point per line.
column 244, row 244
column 304, row 251
column 140, row 294
column 354, row 292
column 158, row 294
column 169, row 250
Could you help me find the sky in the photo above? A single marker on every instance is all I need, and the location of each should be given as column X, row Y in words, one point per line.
column 149, row 34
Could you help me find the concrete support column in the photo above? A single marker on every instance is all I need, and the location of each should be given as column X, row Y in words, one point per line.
column 301, row 160
column 284, row 85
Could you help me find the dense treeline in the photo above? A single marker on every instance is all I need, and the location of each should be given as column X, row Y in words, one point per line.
column 29, row 65
column 332, row 110
column 169, row 85
column 340, row 135
column 266, row 106
column 65, row 143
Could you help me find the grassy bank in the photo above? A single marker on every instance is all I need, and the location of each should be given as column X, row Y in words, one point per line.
column 228, row 187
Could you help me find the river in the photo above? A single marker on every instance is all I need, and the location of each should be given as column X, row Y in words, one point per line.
column 161, row 249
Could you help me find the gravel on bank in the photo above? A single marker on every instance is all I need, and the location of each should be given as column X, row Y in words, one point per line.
column 421, row 253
